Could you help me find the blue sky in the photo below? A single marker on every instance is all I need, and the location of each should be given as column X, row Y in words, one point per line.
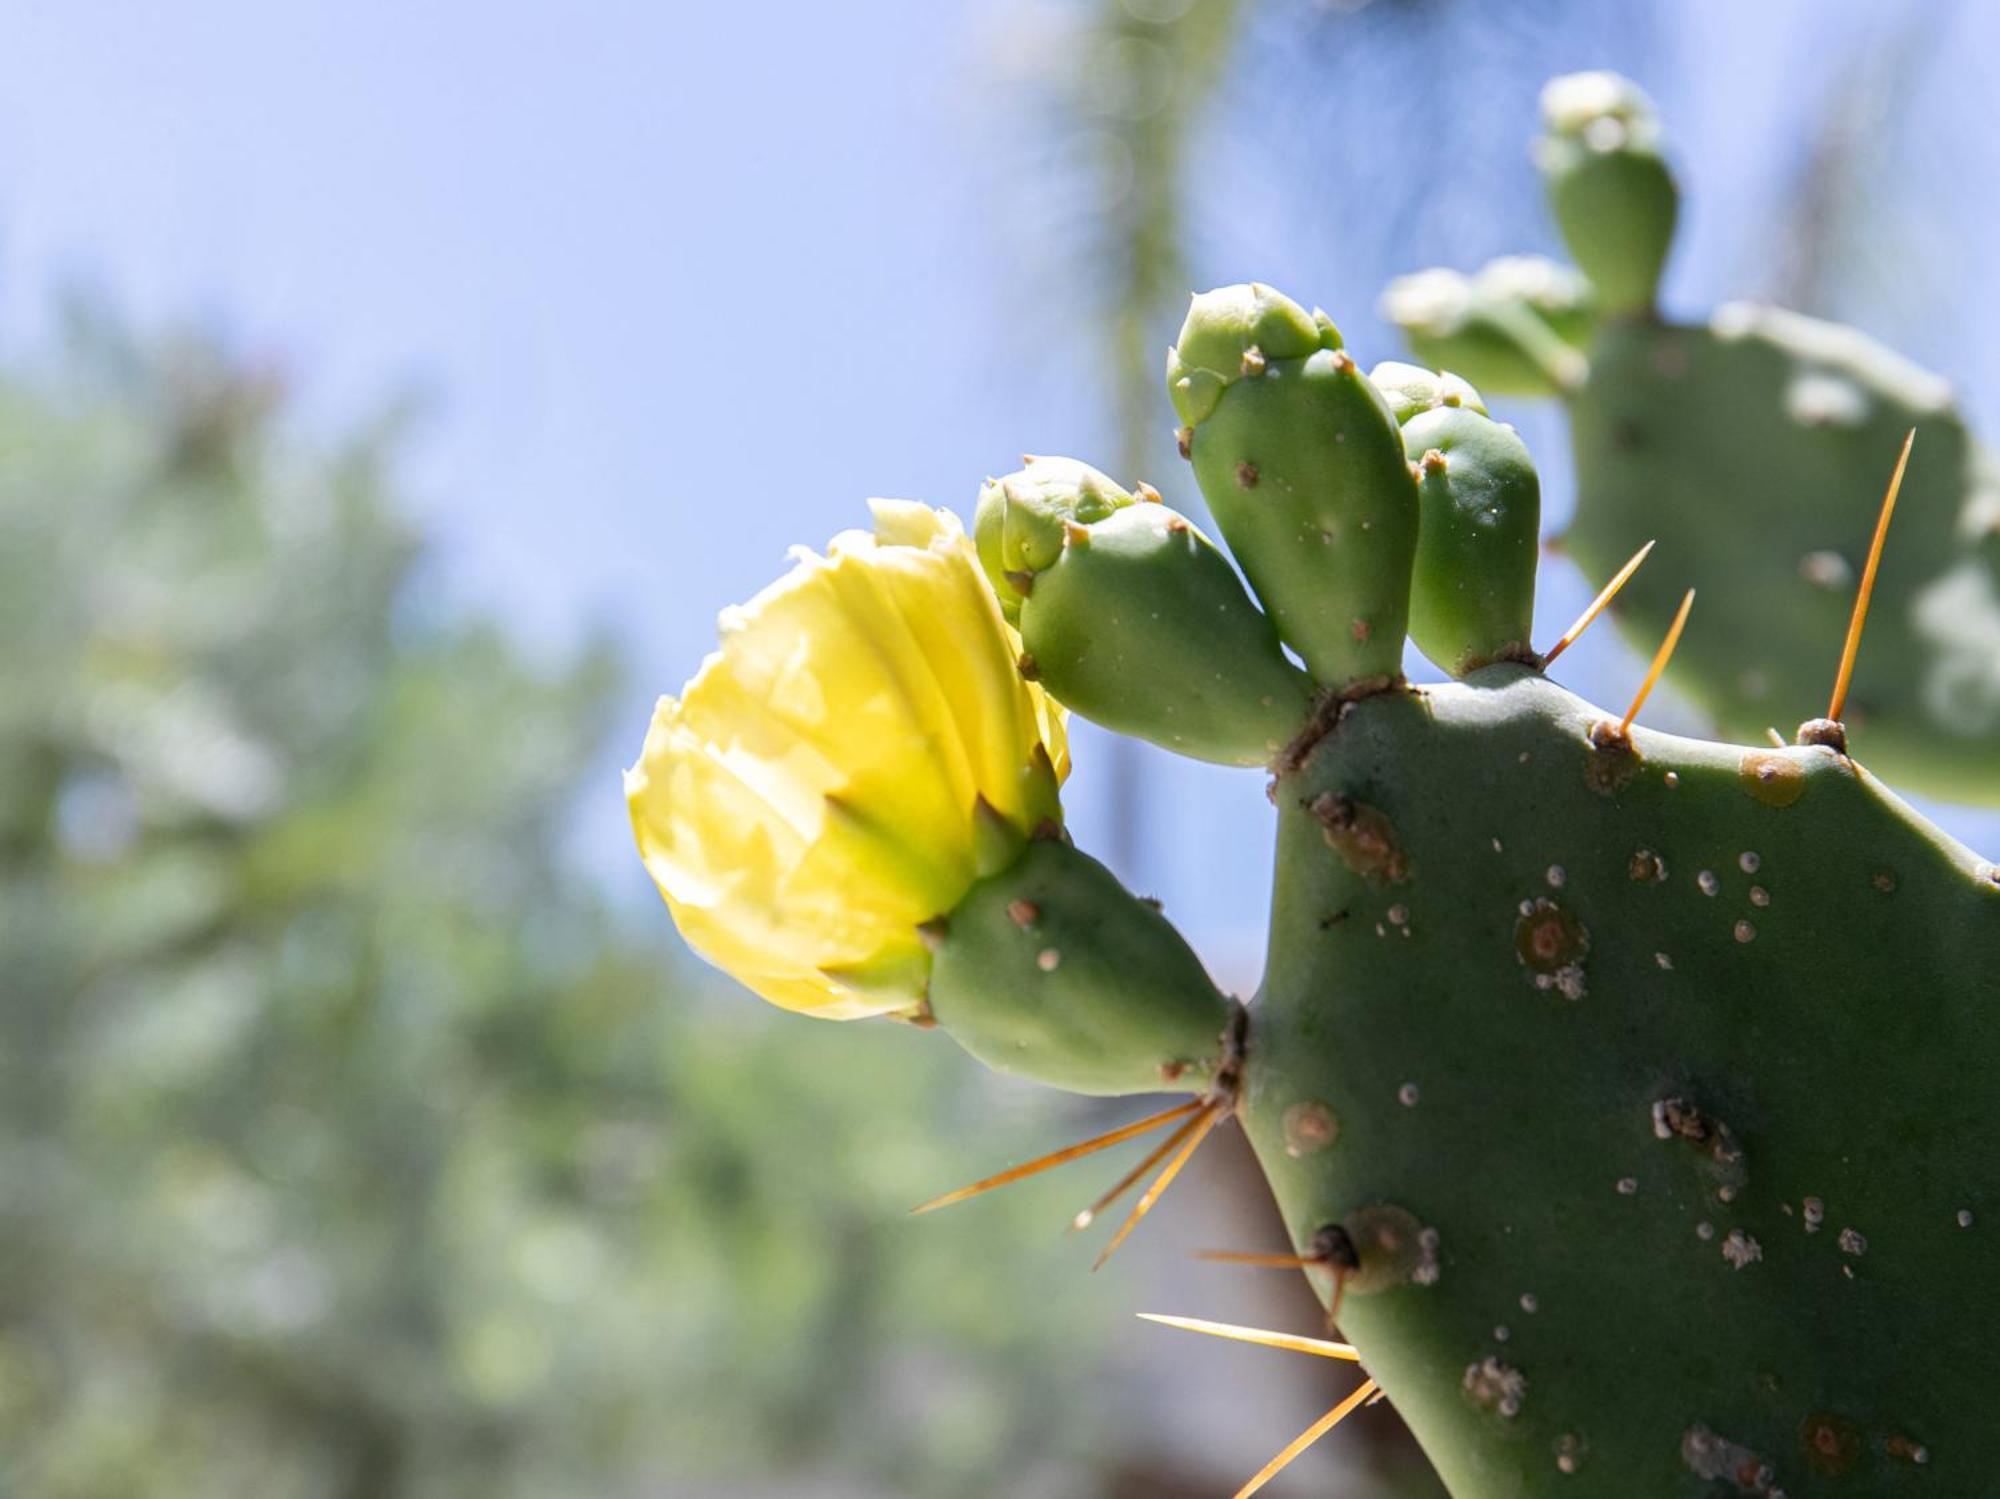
column 677, row 290
column 687, row 282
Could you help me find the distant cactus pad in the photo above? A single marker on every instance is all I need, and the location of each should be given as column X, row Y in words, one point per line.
column 1609, row 186
column 1760, row 442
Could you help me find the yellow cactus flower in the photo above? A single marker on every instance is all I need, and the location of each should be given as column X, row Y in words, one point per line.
column 859, row 751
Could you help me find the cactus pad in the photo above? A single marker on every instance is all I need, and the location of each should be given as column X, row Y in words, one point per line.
column 1677, row 1127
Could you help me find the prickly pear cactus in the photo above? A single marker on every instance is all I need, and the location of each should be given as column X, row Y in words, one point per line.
column 1628, row 1097
column 1759, row 441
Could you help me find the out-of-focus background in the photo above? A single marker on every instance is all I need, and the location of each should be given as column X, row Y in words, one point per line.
column 390, row 396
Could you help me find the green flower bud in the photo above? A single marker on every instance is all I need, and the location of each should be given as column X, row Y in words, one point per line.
column 1472, row 596
column 1052, row 970
column 1019, row 524
column 1142, row 625
column 1300, row 461
column 1235, row 331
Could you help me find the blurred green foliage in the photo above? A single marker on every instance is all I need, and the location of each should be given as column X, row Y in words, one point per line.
column 348, row 1146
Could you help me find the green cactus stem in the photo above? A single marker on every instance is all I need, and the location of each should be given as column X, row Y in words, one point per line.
column 1640, row 1084
column 1627, row 1095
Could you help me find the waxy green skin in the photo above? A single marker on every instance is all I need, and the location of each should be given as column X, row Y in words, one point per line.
column 1846, row 1033
column 1411, row 390
column 1051, row 970
column 1302, row 466
column 1021, row 521
column 1144, row 627
column 1758, row 446
column 1618, row 212
column 1472, row 587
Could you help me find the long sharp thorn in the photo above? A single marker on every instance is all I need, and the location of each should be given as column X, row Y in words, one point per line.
column 1211, row 1116
column 1061, row 1157
column 1259, row 1261
column 1307, row 1437
column 1860, row 615
column 1290, row 1342
column 1660, row 659
column 1124, row 1183
column 1597, row 605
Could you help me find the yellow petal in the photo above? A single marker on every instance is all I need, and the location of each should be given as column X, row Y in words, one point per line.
column 809, row 656
column 911, row 523
column 810, row 799
column 956, row 624
column 763, row 888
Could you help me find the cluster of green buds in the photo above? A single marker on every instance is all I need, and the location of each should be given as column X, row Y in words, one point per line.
column 854, row 805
